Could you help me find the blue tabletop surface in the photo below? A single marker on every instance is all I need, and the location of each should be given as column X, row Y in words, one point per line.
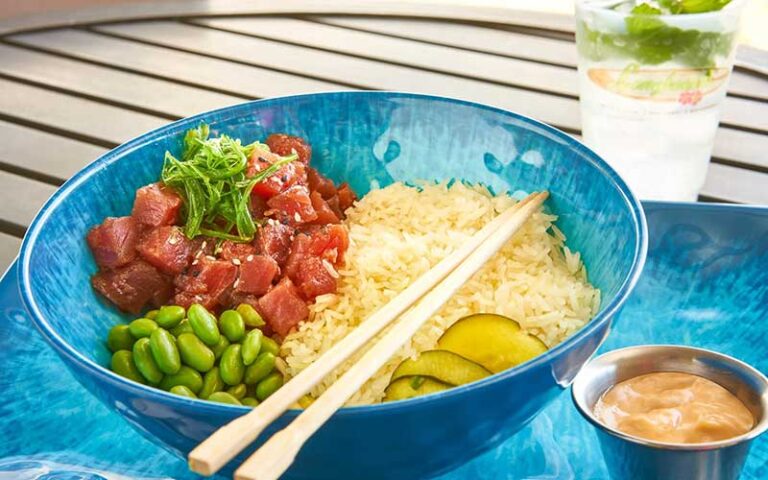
column 705, row 284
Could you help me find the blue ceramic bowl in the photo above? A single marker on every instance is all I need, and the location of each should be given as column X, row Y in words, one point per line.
column 359, row 137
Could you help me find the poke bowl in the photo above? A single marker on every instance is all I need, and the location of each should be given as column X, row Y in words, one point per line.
column 376, row 142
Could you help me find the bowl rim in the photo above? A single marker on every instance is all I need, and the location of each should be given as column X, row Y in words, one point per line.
column 608, row 357
column 233, row 111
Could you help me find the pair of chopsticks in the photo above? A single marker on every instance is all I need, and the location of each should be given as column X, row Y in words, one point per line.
column 434, row 288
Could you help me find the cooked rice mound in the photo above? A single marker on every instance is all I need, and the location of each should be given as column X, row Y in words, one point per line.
column 399, row 232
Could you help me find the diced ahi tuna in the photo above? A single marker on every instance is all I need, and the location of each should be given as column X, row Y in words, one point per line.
column 299, row 250
column 236, row 250
column 274, row 239
column 258, row 207
column 316, row 277
column 293, row 173
column 133, row 286
column 187, row 299
column 346, row 196
column 283, row 308
column 285, row 145
column 156, row 205
column 325, row 214
column 113, row 243
column 320, row 184
column 293, row 206
column 330, row 242
column 206, row 281
column 333, row 204
column 166, row 248
column 256, row 274
column 217, row 275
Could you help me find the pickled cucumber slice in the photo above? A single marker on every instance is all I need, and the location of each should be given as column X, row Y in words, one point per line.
column 494, row 341
column 446, row 367
column 403, row 388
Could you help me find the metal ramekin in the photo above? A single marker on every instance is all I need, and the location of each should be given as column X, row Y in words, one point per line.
column 629, row 457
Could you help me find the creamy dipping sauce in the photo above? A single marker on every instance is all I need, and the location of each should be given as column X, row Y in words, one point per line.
column 673, row 407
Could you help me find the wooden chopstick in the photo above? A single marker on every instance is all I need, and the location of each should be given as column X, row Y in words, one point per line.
column 225, row 443
column 277, row 454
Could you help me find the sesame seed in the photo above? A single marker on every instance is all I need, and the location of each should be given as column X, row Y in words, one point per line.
column 204, row 244
column 297, row 217
column 195, row 261
column 249, row 258
column 237, row 282
column 235, row 261
column 210, row 257
column 173, row 240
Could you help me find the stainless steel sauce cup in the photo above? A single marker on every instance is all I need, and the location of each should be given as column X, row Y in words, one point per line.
column 629, row 457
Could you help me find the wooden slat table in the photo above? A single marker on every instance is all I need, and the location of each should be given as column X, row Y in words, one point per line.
column 75, row 85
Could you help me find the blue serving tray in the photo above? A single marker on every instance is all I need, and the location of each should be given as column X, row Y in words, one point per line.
column 705, row 284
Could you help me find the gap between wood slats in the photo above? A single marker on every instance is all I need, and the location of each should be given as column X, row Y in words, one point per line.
column 127, row 90
column 504, row 43
column 190, row 69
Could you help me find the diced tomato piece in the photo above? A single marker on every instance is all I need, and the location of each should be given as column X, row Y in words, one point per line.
column 285, row 145
column 113, row 243
column 256, row 274
column 292, row 206
column 299, row 250
column 131, row 287
column 319, row 183
column 166, row 248
column 283, row 308
column 330, row 243
column 230, row 250
column 346, row 196
column 293, row 173
column 315, row 277
column 324, row 212
column 274, row 239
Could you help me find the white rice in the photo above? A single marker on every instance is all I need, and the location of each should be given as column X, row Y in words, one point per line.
column 399, row 232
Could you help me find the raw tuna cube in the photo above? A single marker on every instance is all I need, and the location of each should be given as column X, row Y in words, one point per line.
column 325, row 214
column 330, row 242
column 236, row 250
column 113, row 243
column 316, row 277
column 133, row 286
column 285, row 145
column 333, row 204
column 256, row 274
column 186, row 299
column 293, row 173
column 293, row 206
column 274, row 239
column 299, row 251
column 283, row 308
column 346, row 196
column 166, row 248
column 216, row 275
column 318, row 183
column 156, row 205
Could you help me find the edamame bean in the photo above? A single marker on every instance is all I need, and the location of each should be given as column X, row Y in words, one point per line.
column 145, row 362
column 223, row 397
column 250, row 402
column 238, row 391
column 122, row 364
column 183, row 327
column 251, row 346
column 204, row 324
column 262, row 367
column 194, row 352
column 185, row 376
column 183, row 391
column 142, row 327
column 164, row 351
column 151, row 314
column 232, row 325
column 212, row 383
column 268, row 386
column 170, row 316
column 250, row 316
column 231, row 367
column 120, row 338
column 269, row 345
column 219, row 348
